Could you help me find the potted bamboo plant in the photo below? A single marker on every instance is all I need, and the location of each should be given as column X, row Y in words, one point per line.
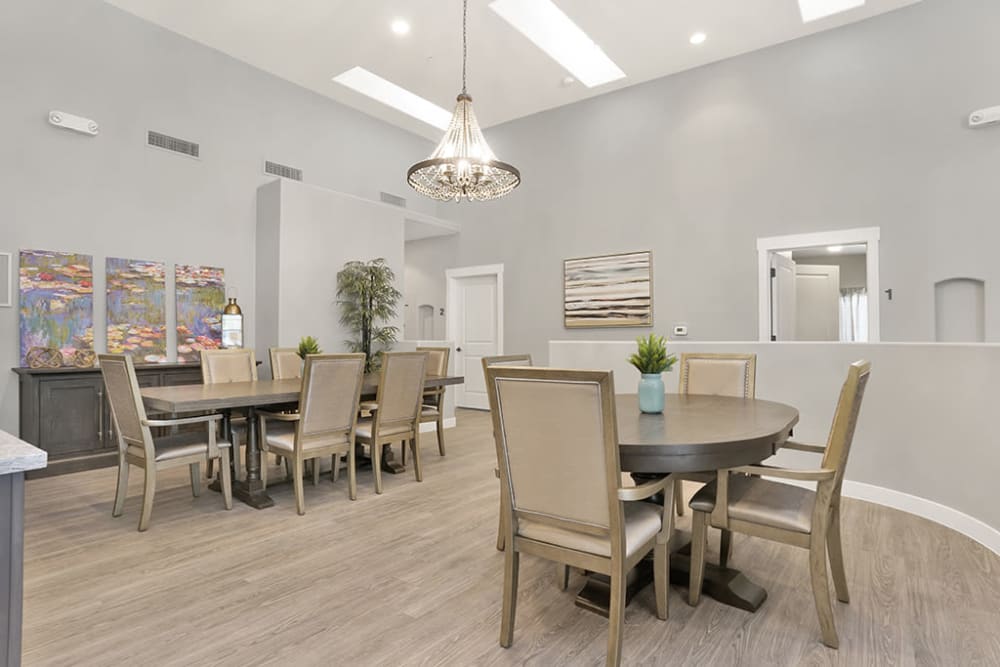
column 368, row 297
column 651, row 360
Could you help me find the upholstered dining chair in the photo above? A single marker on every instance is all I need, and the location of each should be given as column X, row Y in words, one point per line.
column 137, row 446
column 714, row 374
column 432, row 408
column 397, row 415
column 286, row 364
column 577, row 514
column 324, row 424
column 504, row 360
column 230, row 366
column 741, row 500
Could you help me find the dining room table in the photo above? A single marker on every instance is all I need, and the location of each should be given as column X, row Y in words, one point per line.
column 694, row 433
column 247, row 397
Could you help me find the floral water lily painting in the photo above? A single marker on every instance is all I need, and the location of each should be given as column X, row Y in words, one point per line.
column 200, row 296
column 57, row 302
column 137, row 312
column 609, row 291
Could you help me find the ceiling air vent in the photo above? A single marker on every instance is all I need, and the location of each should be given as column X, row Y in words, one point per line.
column 282, row 170
column 168, row 143
column 392, row 199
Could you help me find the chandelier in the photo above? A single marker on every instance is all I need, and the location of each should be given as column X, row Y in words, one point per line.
column 462, row 165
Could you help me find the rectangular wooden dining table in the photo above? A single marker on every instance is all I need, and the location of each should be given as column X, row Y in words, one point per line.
column 248, row 396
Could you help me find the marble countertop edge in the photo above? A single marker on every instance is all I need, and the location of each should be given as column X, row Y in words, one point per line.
column 18, row 456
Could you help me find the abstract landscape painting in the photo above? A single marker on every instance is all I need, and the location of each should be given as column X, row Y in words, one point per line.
column 57, row 302
column 609, row 291
column 200, row 296
column 137, row 311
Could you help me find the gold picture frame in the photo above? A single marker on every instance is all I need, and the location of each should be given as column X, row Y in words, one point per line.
column 608, row 290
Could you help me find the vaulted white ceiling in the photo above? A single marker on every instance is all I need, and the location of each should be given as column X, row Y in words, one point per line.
column 310, row 41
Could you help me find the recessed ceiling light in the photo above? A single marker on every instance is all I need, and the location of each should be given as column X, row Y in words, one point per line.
column 388, row 93
column 834, row 248
column 698, row 38
column 817, row 9
column 553, row 32
column 400, row 27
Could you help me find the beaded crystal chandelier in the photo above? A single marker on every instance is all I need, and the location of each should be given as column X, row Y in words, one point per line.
column 462, row 165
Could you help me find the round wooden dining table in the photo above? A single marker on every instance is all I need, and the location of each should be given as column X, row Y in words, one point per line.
column 695, row 433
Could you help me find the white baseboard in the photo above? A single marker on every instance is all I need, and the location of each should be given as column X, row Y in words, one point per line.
column 430, row 427
column 946, row 516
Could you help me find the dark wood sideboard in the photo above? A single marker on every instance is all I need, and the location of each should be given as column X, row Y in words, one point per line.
column 65, row 412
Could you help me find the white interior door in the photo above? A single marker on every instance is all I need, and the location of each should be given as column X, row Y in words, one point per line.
column 475, row 302
column 783, row 301
column 817, row 290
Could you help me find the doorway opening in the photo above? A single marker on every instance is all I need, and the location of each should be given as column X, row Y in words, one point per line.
column 819, row 287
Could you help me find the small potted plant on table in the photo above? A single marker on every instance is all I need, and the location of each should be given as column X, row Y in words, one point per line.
column 651, row 359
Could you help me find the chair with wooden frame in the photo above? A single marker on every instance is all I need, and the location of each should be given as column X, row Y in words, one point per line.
column 577, row 514
column 286, row 364
column 432, row 408
column 325, row 423
column 397, row 417
column 714, row 374
column 747, row 503
column 504, row 360
column 137, row 446
column 236, row 365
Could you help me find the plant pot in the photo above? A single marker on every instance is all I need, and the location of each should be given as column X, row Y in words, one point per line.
column 651, row 393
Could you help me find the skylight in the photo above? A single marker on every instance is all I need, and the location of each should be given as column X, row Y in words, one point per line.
column 388, row 93
column 817, row 9
column 555, row 33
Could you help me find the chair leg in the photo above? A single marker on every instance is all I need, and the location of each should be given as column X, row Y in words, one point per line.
column 821, row 588
column 288, row 467
column 377, row 465
column 836, row 551
column 679, row 497
column 195, row 469
column 725, row 547
column 402, row 453
column 335, row 469
column 237, row 466
column 299, row 470
column 563, row 576
column 415, row 446
column 148, row 492
column 616, row 617
column 699, row 536
column 315, row 467
column 227, row 480
column 661, row 579
column 352, row 474
column 122, row 488
column 210, row 469
column 511, row 564
column 440, row 433
column 500, row 533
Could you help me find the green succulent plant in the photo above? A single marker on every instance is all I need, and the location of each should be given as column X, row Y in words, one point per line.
column 651, row 356
column 309, row 345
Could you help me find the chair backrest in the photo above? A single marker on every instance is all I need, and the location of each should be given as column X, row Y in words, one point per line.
column 331, row 392
column 845, row 419
column 286, row 364
column 400, row 389
column 126, row 402
column 507, row 360
column 228, row 366
column 437, row 364
column 556, row 435
column 718, row 374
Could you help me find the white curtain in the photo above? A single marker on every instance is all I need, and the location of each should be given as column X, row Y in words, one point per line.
column 854, row 315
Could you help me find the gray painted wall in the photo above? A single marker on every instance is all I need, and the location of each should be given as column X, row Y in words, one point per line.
column 111, row 195
column 857, row 127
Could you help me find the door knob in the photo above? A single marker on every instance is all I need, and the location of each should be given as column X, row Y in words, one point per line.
column 458, row 349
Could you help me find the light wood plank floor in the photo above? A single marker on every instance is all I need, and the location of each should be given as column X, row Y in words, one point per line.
column 412, row 578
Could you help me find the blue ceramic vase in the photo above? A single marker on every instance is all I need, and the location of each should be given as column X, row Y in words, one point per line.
column 651, row 393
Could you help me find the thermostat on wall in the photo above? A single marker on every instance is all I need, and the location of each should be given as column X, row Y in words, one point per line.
column 75, row 123
column 680, row 330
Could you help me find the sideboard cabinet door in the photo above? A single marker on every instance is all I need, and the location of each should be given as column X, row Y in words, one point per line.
column 73, row 419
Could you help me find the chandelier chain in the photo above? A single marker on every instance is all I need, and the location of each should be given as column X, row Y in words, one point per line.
column 465, row 40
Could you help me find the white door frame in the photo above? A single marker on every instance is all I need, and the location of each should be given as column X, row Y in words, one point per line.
column 765, row 246
column 451, row 277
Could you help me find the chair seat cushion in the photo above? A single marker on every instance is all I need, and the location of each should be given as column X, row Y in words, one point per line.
column 364, row 430
column 429, row 413
column 281, row 438
column 762, row 501
column 178, row 446
column 642, row 522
